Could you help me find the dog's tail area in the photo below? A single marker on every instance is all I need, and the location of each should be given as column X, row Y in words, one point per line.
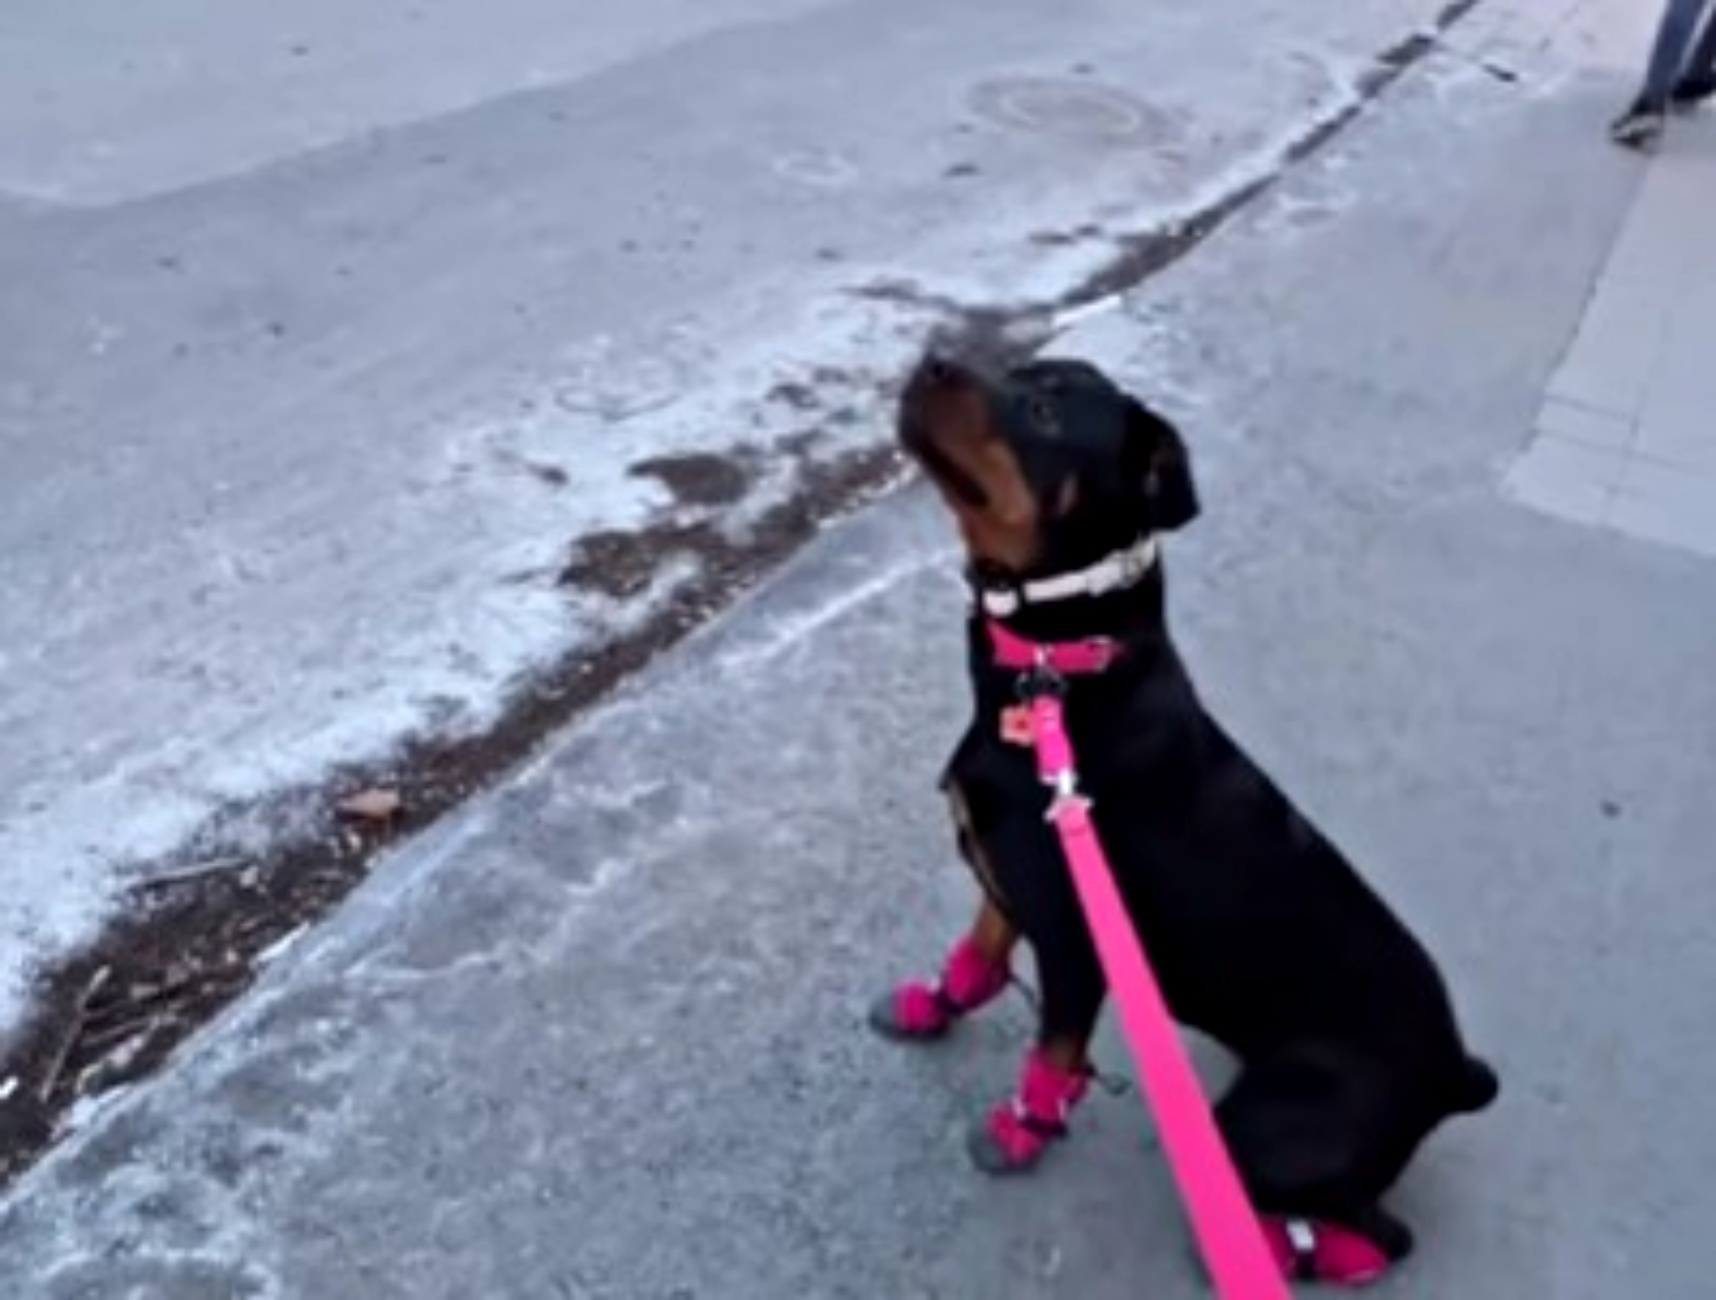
column 1476, row 1087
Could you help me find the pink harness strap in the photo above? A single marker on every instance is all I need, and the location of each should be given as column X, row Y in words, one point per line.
column 1235, row 1250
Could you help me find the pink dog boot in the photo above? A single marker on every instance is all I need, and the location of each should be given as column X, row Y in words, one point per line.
column 917, row 1012
column 1312, row 1250
column 1020, row 1130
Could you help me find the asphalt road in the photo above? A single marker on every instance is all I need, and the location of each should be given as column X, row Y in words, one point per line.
column 600, row 1035
column 325, row 331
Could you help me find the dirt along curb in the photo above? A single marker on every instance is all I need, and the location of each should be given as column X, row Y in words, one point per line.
column 193, row 934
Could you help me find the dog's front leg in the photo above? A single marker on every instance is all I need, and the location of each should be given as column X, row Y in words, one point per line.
column 1072, row 995
column 975, row 970
column 993, row 935
column 1019, row 1131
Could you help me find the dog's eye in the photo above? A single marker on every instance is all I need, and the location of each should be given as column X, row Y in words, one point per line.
column 1041, row 415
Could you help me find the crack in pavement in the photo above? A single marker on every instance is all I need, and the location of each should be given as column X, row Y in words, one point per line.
column 196, row 933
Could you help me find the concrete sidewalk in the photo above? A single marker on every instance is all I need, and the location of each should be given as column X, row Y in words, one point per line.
column 1626, row 438
column 599, row 1036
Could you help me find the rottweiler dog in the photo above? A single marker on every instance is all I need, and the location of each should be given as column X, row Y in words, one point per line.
column 1261, row 933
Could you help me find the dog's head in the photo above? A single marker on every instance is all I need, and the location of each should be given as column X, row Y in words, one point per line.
column 1047, row 466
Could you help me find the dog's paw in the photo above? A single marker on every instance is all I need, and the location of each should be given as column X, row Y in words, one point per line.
column 1347, row 1255
column 1018, row 1133
column 1001, row 1147
column 909, row 1014
column 920, row 1012
column 1315, row 1252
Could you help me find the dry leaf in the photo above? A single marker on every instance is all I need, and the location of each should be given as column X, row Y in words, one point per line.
column 372, row 805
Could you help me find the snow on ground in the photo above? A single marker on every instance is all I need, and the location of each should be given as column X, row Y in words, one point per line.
column 598, row 1033
column 323, row 336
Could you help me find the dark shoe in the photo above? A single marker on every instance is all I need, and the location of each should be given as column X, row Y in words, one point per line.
column 1692, row 91
column 1640, row 127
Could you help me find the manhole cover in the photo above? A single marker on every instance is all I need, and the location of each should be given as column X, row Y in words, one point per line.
column 1057, row 106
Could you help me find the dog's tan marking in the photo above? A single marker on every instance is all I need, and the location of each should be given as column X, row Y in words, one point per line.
column 993, row 934
column 1069, row 1055
column 1004, row 530
column 970, row 846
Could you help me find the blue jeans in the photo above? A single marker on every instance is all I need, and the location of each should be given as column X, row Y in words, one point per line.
column 1685, row 47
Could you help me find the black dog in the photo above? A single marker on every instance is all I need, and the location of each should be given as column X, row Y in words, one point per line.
column 1262, row 935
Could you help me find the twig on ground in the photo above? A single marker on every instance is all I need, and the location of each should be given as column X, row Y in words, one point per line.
column 73, row 1031
column 195, row 872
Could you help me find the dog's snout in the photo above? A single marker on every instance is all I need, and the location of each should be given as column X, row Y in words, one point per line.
column 939, row 370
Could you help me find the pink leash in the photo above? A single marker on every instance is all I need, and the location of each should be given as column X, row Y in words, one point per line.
column 1229, row 1236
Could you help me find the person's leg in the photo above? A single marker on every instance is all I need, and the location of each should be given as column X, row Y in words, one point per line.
column 1642, row 123
column 1698, row 78
column 1675, row 35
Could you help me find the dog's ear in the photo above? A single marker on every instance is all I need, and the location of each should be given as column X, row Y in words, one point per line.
column 1157, row 455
